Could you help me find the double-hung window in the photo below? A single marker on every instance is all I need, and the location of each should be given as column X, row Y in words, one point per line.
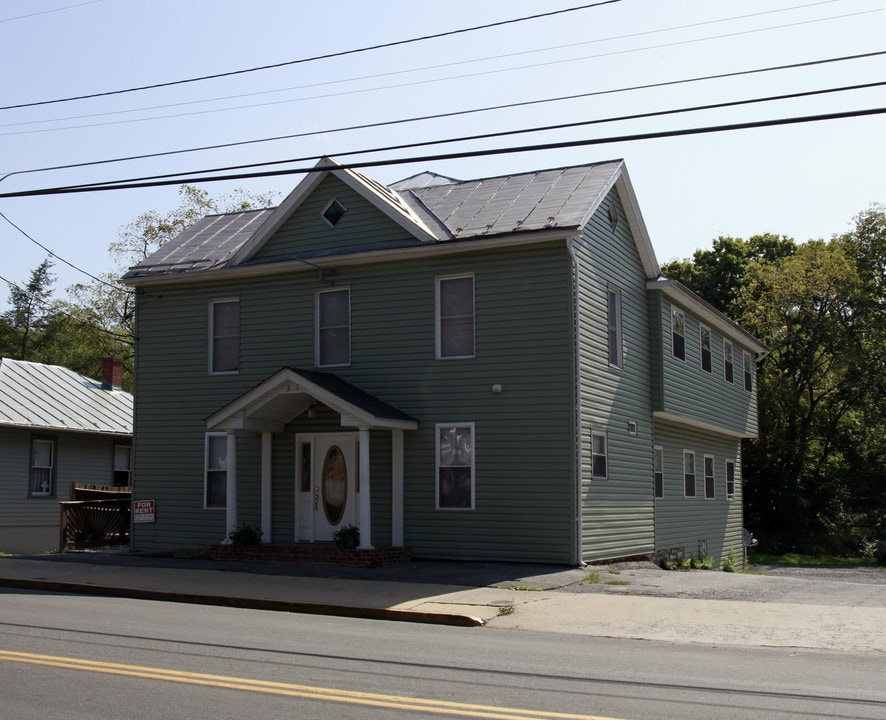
column 728, row 361
column 333, row 323
column 730, row 479
column 42, row 476
column 688, row 473
column 122, row 465
column 705, row 349
column 658, row 471
column 455, row 466
column 216, row 481
column 455, row 317
column 599, row 455
column 614, row 317
column 748, row 371
column 678, row 334
column 224, row 336
column 708, row 477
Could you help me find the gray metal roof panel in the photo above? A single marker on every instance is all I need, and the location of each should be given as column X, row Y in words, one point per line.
column 50, row 397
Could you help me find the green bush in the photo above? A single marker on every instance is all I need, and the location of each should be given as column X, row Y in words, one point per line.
column 245, row 535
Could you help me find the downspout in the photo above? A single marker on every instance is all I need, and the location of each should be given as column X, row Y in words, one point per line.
column 576, row 404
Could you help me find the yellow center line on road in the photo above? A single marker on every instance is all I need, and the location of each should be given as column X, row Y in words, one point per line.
column 396, row 702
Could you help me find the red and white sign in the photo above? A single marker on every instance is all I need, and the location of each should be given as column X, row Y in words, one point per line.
column 143, row 511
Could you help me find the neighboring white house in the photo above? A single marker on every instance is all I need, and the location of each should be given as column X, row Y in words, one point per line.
column 57, row 427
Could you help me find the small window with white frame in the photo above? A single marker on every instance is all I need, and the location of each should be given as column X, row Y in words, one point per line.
column 748, row 371
column 216, row 475
column 658, row 471
column 122, row 465
column 730, row 479
column 333, row 212
column 678, row 334
column 728, row 361
column 615, row 326
column 455, row 317
column 333, row 327
column 599, row 455
column 455, row 466
column 688, row 473
column 224, row 336
column 709, row 487
column 706, row 355
column 42, row 473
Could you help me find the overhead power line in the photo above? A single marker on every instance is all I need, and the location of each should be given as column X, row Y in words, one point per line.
column 457, row 155
column 314, row 58
column 456, row 113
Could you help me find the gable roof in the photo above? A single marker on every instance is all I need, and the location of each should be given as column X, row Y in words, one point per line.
column 50, row 397
column 433, row 208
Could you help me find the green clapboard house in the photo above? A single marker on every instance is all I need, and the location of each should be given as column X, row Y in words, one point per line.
column 477, row 370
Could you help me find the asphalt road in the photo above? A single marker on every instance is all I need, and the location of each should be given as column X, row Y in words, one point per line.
column 71, row 657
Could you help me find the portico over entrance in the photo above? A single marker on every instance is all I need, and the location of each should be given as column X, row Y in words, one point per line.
column 290, row 393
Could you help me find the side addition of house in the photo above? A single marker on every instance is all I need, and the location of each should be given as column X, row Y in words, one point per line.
column 483, row 370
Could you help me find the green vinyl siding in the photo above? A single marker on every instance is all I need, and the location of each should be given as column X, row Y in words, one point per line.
column 523, row 435
column 616, row 513
column 305, row 231
column 683, row 389
column 682, row 523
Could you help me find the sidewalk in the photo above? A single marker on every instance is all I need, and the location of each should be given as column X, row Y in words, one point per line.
column 520, row 597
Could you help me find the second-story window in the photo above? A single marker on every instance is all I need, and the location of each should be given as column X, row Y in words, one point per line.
column 614, row 313
column 333, row 325
column 748, row 372
column 705, row 349
column 678, row 334
column 728, row 362
column 455, row 317
column 224, row 336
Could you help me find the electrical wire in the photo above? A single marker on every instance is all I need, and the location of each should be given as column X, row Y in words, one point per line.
column 64, row 190
column 325, row 56
column 47, row 12
column 438, row 116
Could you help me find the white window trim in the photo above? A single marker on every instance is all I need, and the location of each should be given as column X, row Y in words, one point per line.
column 317, row 328
column 694, row 474
column 617, row 328
column 701, row 331
column 728, row 343
column 437, row 465
column 604, row 435
column 211, row 340
column 329, row 204
column 730, row 496
column 675, row 311
column 713, row 476
column 207, row 470
column 657, row 450
column 438, row 319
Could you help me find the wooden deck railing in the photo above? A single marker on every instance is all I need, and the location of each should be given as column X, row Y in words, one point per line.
column 96, row 516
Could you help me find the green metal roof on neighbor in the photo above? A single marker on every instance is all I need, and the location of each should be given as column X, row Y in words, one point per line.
column 49, row 397
column 434, row 209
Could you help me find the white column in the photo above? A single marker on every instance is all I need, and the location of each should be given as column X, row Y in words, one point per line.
column 266, row 447
column 365, row 497
column 397, row 488
column 231, row 504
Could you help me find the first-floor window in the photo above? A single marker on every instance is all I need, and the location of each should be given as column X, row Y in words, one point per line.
column 42, row 468
column 455, row 466
column 122, row 465
column 730, row 479
column 658, row 471
column 599, row 455
column 216, row 470
column 708, row 477
column 688, row 473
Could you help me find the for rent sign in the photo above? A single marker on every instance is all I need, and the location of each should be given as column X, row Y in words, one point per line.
column 143, row 511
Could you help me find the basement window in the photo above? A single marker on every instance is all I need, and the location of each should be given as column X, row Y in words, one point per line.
column 333, row 212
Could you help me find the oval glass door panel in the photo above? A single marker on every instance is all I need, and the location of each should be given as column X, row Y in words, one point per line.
column 334, row 485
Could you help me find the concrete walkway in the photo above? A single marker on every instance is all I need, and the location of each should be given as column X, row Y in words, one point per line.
column 528, row 598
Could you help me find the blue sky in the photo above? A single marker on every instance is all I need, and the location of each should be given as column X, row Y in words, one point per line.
column 804, row 181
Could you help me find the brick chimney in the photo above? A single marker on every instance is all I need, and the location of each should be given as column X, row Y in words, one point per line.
column 112, row 373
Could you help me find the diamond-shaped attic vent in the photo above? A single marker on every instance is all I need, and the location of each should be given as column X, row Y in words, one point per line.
column 333, row 212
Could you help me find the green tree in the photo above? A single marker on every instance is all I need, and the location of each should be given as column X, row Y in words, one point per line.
column 29, row 311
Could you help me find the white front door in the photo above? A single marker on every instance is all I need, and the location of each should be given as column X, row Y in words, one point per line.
column 329, row 501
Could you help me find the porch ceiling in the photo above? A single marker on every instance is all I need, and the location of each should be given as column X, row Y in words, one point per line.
column 289, row 392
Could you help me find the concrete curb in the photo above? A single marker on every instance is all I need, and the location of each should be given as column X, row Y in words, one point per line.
column 247, row 603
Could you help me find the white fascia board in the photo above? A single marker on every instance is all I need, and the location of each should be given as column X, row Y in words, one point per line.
column 637, row 224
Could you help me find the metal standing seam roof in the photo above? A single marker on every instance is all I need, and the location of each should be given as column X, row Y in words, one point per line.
column 49, row 397
column 450, row 209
